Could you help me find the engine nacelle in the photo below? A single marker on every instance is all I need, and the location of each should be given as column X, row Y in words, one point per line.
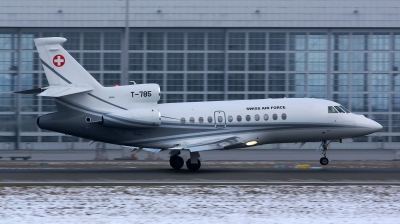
column 135, row 118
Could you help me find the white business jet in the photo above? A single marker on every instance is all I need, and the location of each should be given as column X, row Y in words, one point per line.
column 130, row 116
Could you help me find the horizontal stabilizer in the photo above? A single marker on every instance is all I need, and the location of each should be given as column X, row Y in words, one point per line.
column 32, row 91
column 58, row 91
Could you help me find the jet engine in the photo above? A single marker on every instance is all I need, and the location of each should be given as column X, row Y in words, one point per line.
column 136, row 118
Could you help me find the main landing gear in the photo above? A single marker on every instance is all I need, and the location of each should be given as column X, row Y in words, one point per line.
column 193, row 166
column 325, row 145
column 176, row 162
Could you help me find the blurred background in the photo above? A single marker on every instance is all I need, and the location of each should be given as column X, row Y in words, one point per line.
column 207, row 50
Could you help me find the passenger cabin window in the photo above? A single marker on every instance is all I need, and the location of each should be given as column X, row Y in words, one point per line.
column 183, row 120
column 275, row 116
column 331, row 110
column 220, row 119
column 201, row 120
column 191, row 120
column 339, row 109
column 266, row 117
column 284, row 116
column 230, row 118
column 209, row 119
column 248, row 118
column 239, row 118
column 257, row 117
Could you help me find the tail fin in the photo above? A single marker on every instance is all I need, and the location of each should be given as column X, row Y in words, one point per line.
column 60, row 67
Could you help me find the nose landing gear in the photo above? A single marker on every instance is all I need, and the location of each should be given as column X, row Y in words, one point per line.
column 324, row 161
column 325, row 145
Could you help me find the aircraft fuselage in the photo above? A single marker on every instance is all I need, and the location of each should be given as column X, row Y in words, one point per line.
column 264, row 121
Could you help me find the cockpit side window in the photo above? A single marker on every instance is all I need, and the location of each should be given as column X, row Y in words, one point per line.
column 331, row 109
column 339, row 109
column 345, row 109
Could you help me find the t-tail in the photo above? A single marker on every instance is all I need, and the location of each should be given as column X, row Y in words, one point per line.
column 73, row 88
column 64, row 74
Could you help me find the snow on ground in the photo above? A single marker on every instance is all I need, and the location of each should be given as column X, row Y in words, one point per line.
column 201, row 204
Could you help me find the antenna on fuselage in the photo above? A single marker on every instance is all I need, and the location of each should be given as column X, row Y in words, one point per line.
column 134, row 83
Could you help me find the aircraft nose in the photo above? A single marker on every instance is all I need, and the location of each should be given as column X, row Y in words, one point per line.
column 372, row 125
column 375, row 126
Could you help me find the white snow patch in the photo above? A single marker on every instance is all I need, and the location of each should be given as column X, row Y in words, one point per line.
column 201, row 204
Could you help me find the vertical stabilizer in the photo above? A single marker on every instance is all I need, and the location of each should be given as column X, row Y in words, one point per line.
column 60, row 67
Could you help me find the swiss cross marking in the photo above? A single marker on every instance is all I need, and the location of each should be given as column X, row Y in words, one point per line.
column 58, row 60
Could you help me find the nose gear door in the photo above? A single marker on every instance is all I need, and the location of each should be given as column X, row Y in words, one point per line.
column 219, row 119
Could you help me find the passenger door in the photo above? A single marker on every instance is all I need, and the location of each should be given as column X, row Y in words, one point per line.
column 220, row 119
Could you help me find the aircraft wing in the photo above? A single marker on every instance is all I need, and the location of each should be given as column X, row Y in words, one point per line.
column 220, row 144
column 227, row 143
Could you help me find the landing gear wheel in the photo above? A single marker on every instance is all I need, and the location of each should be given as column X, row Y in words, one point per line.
column 193, row 167
column 324, row 161
column 176, row 162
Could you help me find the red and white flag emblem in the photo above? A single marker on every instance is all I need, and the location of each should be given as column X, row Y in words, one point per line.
column 58, row 60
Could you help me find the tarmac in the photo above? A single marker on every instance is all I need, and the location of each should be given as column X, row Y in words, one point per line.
column 219, row 155
column 232, row 167
column 211, row 173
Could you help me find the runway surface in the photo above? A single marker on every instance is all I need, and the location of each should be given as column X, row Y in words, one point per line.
column 205, row 176
column 214, row 155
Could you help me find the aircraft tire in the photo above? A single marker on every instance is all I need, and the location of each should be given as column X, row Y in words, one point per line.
column 324, row 161
column 193, row 167
column 176, row 162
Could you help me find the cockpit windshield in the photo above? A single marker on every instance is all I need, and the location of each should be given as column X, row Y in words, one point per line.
column 338, row 109
column 331, row 109
column 345, row 109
